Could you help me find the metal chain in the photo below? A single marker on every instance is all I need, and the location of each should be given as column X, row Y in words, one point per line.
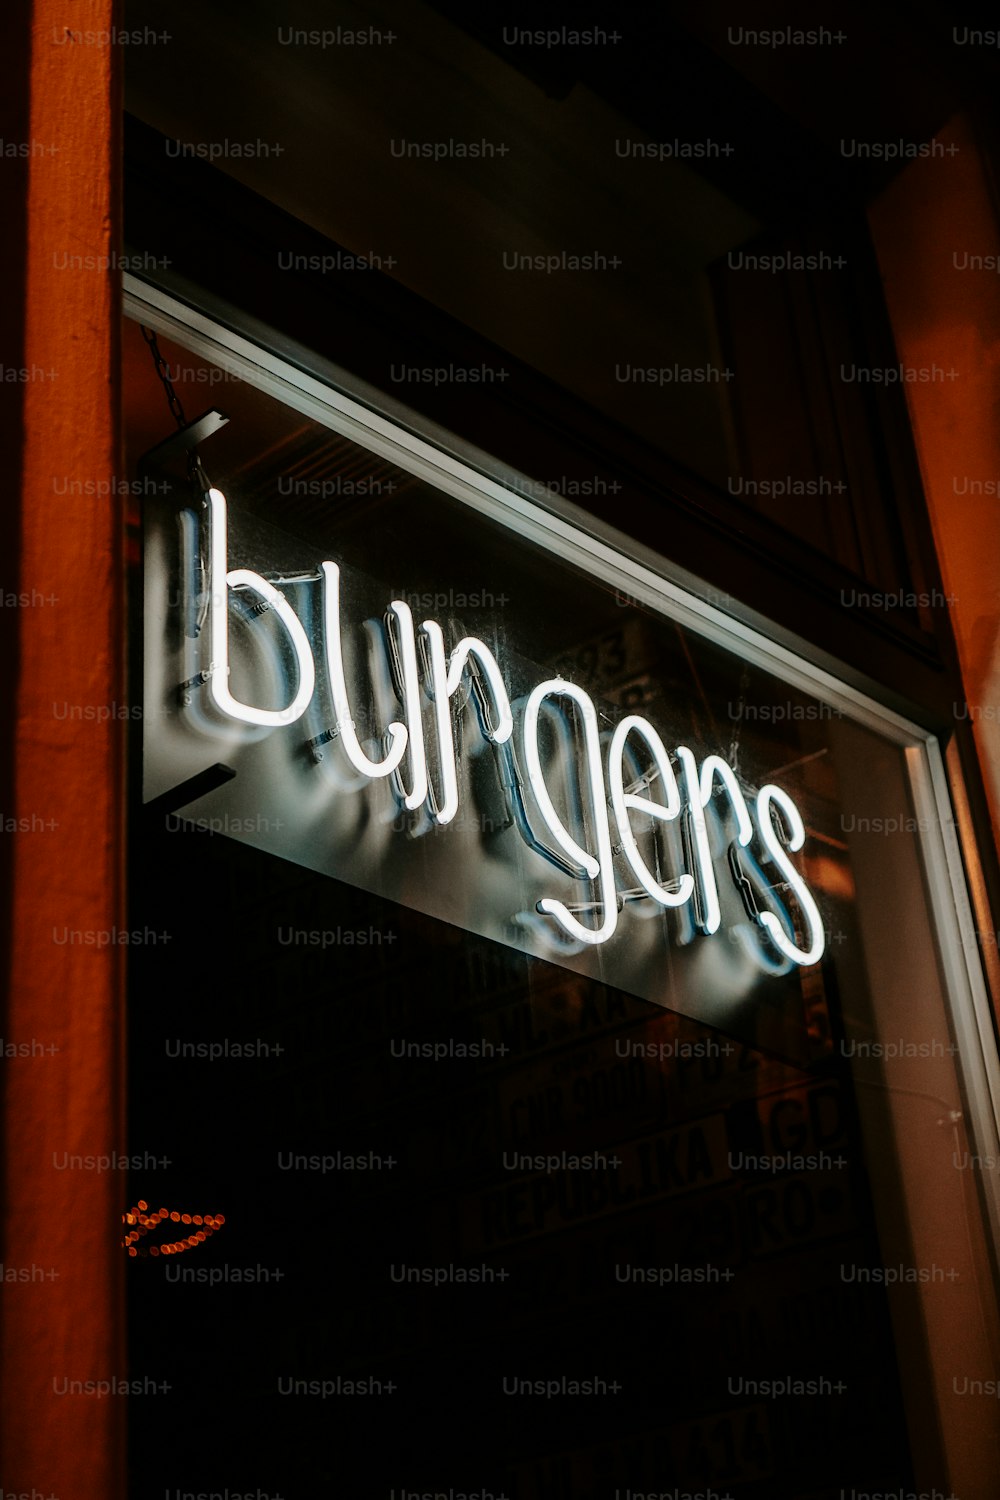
column 163, row 371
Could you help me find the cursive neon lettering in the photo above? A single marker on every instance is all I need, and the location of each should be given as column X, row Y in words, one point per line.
column 422, row 671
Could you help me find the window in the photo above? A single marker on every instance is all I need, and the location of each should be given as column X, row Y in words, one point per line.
column 649, row 1211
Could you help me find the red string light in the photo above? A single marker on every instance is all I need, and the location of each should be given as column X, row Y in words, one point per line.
column 143, row 1221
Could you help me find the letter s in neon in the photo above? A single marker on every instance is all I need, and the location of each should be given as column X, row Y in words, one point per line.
column 766, row 797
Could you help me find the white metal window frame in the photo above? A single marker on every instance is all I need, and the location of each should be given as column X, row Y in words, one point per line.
column 561, row 528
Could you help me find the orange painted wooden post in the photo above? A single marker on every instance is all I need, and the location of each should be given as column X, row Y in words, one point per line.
column 63, row 1316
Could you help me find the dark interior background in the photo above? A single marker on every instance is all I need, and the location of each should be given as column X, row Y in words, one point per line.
column 306, row 1038
column 775, row 1307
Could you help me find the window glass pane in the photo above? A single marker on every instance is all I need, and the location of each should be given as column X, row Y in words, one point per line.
column 456, row 1151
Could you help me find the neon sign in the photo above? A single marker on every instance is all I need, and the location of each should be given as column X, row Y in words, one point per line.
column 623, row 785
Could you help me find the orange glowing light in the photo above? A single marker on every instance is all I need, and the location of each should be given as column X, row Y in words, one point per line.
column 144, row 1223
